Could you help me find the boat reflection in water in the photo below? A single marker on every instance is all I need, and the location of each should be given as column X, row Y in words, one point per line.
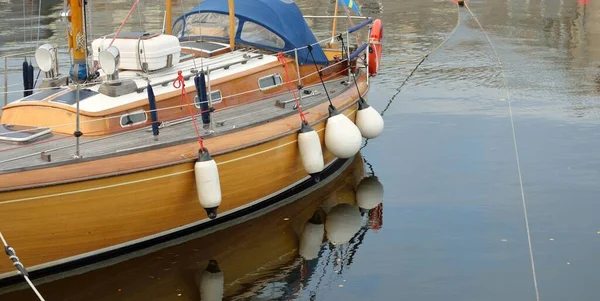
column 272, row 256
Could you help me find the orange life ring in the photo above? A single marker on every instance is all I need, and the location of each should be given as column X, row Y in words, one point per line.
column 375, row 47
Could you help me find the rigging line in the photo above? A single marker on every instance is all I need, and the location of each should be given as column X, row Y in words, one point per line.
column 399, row 89
column 123, row 23
column 436, row 47
column 38, row 26
column 10, row 251
column 139, row 10
column 184, row 29
column 310, row 48
column 514, row 135
column 24, row 24
column 31, row 21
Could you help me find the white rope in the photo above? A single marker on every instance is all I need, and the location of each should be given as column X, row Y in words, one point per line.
column 515, row 145
column 3, row 240
column 6, row 247
column 33, row 288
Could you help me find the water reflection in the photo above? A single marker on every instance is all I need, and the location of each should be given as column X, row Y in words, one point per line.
column 282, row 254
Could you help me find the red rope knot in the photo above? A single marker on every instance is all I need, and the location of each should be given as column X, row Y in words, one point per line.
column 179, row 81
column 281, row 58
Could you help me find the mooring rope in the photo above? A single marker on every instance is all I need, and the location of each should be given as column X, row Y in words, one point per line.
column 12, row 254
column 516, row 148
column 420, row 61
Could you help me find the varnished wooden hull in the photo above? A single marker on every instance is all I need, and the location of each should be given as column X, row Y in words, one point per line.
column 61, row 214
column 251, row 254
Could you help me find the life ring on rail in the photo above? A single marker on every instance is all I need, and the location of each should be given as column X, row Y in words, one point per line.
column 375, row 47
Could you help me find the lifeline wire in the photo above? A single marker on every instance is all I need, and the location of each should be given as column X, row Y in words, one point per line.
column 512, row 123
column 13, row 256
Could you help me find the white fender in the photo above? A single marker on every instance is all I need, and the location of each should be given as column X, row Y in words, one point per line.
column 311, row 240
column 342, row 137
column 208, row 184
column 368, row 120
column 343, row 221
column 211, row 282
column 369, row 193
column 311, row 152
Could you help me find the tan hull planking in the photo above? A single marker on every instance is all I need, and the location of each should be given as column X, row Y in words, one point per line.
column 249, row 254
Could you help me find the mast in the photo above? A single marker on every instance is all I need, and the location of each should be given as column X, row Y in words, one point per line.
column 335, row 12
column 77, row 41
column 168, row 18
column 231, row 25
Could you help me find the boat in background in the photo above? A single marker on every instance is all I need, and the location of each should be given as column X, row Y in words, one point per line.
column 153, row 136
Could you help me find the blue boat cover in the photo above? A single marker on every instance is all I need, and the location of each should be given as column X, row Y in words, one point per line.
column 281, row 17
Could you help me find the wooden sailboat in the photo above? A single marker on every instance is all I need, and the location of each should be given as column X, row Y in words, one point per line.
column 152, row 136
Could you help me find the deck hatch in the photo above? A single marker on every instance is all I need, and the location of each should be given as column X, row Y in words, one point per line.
column 70, row 98
column 21, row 134
column 43, row 94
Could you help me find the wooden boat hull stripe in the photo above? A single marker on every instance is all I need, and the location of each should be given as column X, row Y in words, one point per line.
column 77, row 261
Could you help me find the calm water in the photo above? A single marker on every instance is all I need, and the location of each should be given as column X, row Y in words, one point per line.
column 453, row 225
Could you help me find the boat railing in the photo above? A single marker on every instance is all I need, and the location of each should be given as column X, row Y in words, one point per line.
column 123, row 132
column 182, row 105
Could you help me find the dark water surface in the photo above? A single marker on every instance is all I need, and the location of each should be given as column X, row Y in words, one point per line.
column 453, row 225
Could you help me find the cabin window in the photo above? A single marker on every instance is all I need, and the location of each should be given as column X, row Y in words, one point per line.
column 257, row 34
column 134, row 118
column 271, row 81
column 204, row 24
column 215, row 97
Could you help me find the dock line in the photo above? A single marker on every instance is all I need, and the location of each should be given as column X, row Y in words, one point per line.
column 512, row 123
column 12, row 254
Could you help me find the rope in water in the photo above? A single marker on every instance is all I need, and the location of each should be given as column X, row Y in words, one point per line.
column 19, row 266
column 516, row 148
column 180, row 83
